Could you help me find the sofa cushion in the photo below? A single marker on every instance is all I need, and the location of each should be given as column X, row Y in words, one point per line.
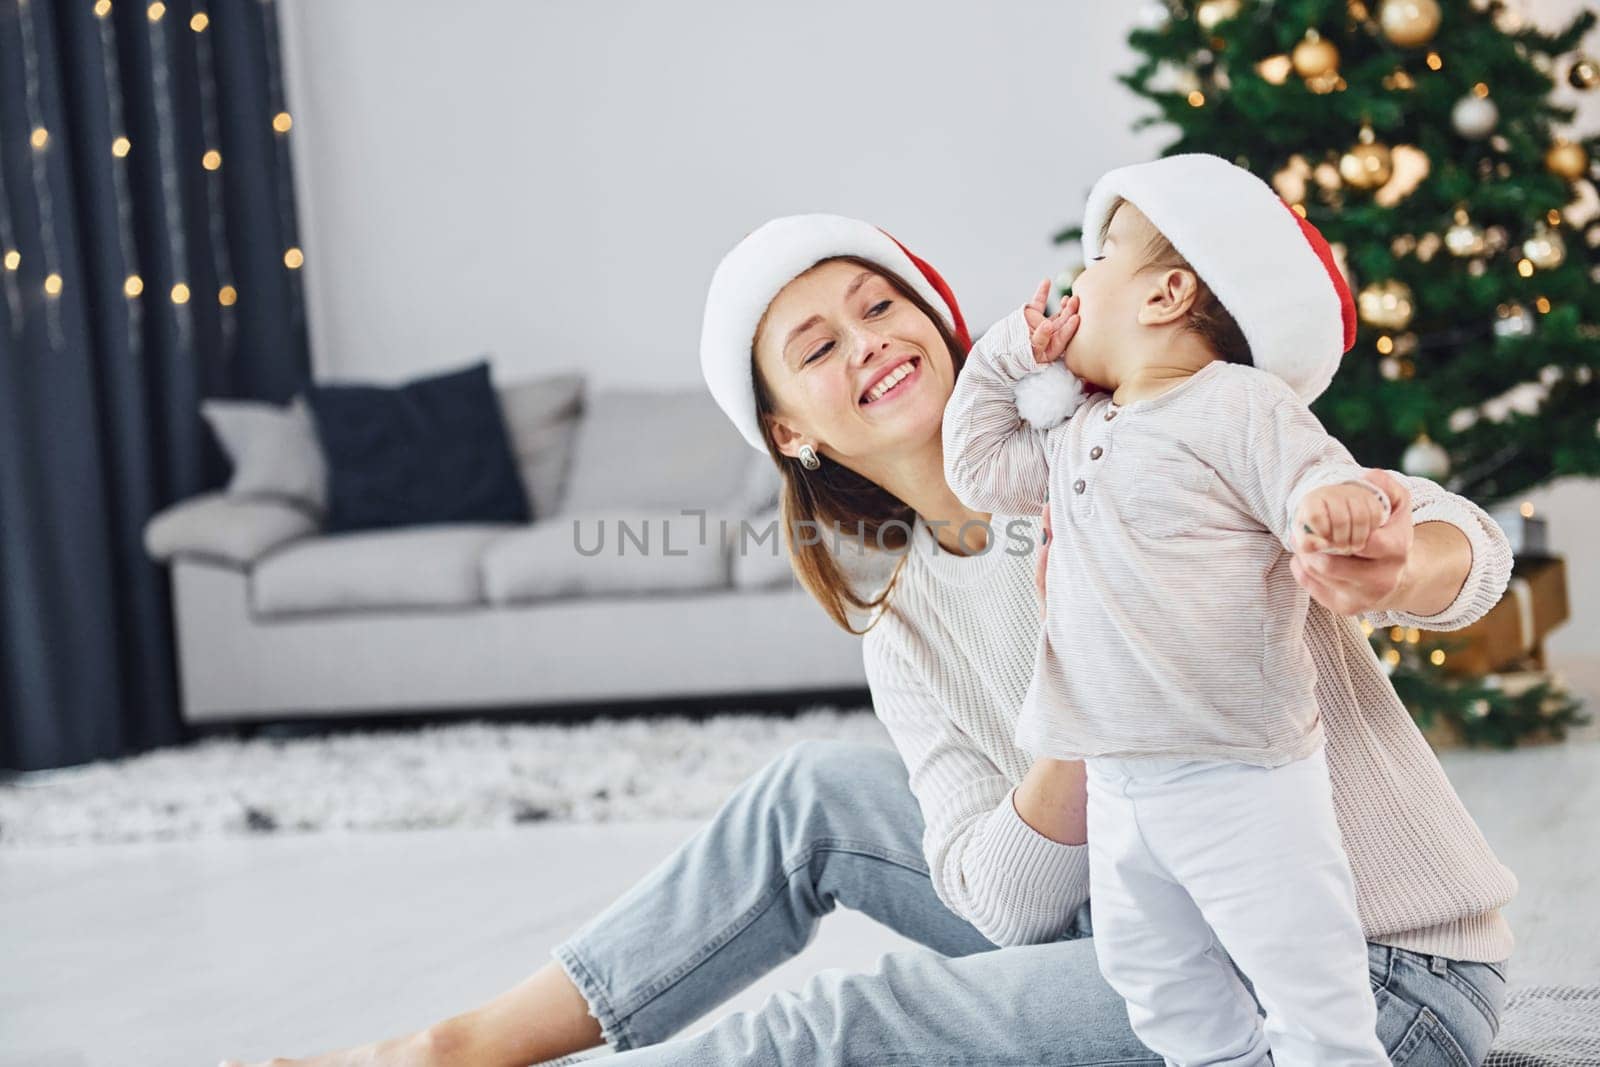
column 219, row 527
column 542, row 418
column 423, row 567
column 653, row 451
column 273, row 450
column 612, row 553
column 434, row 450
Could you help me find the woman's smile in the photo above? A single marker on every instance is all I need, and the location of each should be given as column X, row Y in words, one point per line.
column 892, row 381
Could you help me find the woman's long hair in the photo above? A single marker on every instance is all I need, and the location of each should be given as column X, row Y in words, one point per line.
column 834, row 497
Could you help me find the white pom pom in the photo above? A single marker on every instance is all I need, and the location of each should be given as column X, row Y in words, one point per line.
column 1049, row 396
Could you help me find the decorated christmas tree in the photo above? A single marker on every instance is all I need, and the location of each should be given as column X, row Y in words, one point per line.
column 1421, row 137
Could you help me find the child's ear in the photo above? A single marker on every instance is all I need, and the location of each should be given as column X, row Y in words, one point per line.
column 1170, row 298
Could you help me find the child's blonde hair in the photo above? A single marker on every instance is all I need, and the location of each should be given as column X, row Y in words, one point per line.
column 1207, row 317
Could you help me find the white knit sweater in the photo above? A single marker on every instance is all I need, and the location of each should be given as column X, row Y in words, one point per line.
column 949, row 664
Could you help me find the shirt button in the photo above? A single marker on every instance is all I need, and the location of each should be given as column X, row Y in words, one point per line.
column 1096, row 452
column 1078, row 486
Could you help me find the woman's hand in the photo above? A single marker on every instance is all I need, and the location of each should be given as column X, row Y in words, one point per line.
column 1050, row 334
column 1369, row 580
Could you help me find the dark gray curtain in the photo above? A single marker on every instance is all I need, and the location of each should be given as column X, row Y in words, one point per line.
column 148, row 241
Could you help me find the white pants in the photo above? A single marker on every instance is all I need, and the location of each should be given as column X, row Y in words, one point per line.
column 1194, row 861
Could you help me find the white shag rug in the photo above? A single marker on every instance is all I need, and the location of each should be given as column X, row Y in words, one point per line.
column 470, row 774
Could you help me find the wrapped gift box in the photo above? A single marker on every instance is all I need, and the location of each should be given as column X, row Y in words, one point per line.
column 1513, row 631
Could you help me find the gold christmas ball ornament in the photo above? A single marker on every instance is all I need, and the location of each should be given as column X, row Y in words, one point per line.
column 1585, row 74
column 1386, row 305
column 1463, row 239
column 1409, row 23
column 1474, row 117
column 1567, row 160
column 1545, row 249
column 1425, row 459
column 1315, row 57
column 1212, row 13
column 1368, row 164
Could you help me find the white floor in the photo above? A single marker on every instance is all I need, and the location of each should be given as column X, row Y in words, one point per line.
column 176, row 955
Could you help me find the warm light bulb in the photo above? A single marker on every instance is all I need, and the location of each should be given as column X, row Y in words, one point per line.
column 1526, row 509
column 120, row 147
column 40, row 138
column 1435, row 62
column 1385, row 345
column 282, row 122
column 1397, row 634
column 1525, row 267
column 1436, row 657
column 227, row 296
column 1553, row 217
column 102, row 8
column 180, row 294
column 293, row 258
column 133, row 286
column 199, row 23
column 1366, row 627
column 1413, row 635
column 13, row 259
column 1392, row 657
column 1197, row 98
column 156, row 10
column 211, row 160
column 1543, row 304
column 52, row 284
column 1481, row 90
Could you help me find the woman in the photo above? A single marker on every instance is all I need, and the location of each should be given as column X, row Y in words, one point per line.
column 835, row 349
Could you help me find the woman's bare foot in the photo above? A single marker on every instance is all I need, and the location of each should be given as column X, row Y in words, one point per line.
column 496, row 1034
column 435, row 1047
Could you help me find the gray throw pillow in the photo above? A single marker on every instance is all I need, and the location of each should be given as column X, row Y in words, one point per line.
column 273, row 449
column 541, row 417
column 654, row 449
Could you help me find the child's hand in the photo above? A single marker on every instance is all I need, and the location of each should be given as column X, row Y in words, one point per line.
column 1050, row 335
column 1338, row 519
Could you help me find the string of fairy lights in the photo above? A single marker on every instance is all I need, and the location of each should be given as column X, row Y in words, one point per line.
column 42, row 142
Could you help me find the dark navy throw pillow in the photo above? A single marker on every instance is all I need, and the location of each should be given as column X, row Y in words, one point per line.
column 430, row 451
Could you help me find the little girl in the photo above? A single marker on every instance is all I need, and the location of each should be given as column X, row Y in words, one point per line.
column 1172, row 658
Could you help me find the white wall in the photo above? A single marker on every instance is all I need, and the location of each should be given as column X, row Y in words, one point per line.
column 553, row 182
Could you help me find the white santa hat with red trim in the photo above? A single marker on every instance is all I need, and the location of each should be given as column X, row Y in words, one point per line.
column 757, row 270
column 1271, row 269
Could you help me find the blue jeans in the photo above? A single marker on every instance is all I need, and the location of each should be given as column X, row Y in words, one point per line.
column 830, row 824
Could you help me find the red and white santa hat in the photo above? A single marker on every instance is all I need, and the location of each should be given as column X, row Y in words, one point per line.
column 1269, row 267
column 760, row 266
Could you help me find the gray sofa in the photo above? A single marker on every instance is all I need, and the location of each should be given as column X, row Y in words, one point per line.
column 612, row 593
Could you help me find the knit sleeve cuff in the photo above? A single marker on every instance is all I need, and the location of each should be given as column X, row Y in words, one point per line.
column 1486, row 578
column 1039, row 883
